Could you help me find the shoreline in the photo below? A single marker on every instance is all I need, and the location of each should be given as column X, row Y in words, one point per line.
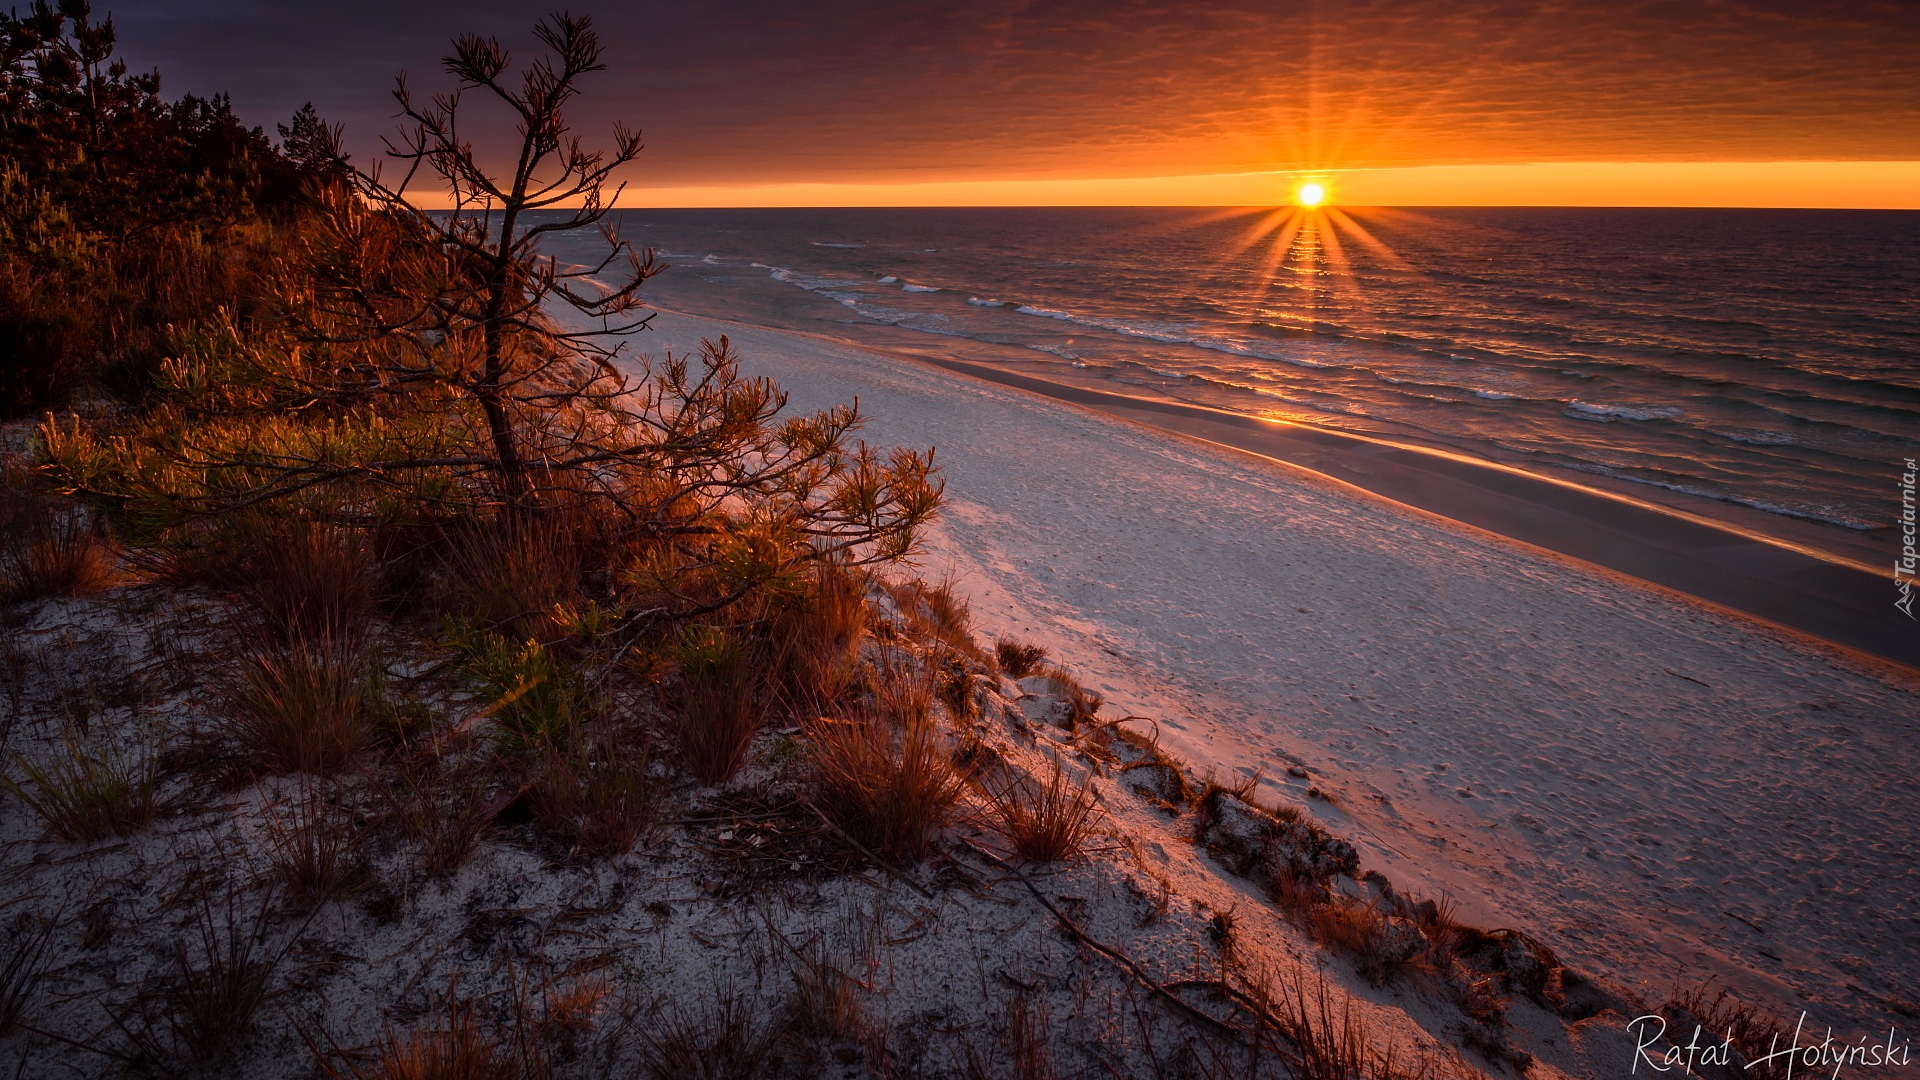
column 1837, row 600
column 1549, row 744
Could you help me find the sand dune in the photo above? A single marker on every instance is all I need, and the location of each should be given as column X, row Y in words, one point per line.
column 1664, row 792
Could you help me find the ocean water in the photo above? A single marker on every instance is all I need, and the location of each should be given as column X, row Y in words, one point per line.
column 1762, row 358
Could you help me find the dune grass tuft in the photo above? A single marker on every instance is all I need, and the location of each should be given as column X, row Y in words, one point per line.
column 721, row 677
column 315, row 849
column 302, row 709
column 307, row 581
column 1018, row 659
column 882, row 773
column 88, row 788
column 1044, row 823
column 47, row 548
column 599, row 798
column 727, row 1037
column 817, row 638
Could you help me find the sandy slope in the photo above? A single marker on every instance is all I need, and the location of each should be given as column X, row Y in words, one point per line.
column 1663, row 792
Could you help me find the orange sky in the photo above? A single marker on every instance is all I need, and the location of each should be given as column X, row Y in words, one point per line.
column 1827, row 184
column 1630, row 102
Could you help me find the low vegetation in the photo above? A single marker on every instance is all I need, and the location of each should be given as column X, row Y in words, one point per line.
column 458, row 691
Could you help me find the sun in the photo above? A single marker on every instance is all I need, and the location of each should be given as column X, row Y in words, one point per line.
column 1310, row 195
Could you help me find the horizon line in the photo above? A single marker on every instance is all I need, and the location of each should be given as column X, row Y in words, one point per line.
column 1772, row 185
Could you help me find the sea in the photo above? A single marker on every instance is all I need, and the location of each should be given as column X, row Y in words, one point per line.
column 1765, row 360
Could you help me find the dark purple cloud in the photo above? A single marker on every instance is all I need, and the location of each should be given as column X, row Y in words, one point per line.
column 757, row 91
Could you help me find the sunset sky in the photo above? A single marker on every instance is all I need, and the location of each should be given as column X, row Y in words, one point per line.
column 1411, row 102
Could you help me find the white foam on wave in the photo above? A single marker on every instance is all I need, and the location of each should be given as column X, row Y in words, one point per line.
column 1757, row 438
column 1496, row 395
column 1588, row 410
column 714, row 259
column 1056, row 350
column 825, row 243
column 985, row 301
column 911, row 287
column 1828, row 517
column 888, row 280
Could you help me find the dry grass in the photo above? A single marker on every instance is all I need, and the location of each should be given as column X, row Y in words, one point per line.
column 1044, row 823
column 315, row 849
column 826, row 1003
column 215, row 990
column 21, row 970
column 307, row 581
column 882, row 774
column 459, row 1050
column 720, row 683
column 443, row 808
column 826, row 1000
column 47, row 547
column 1018, row 659
column 1325, row 1042
column 729, row 1037
column 1753, row 1033
column 89, row 788
column 1025, row 1045
column 301, row 709
column 511, row 578
column 936, row 613
column 1084, row 703
column 600, row 799
column 818, row 635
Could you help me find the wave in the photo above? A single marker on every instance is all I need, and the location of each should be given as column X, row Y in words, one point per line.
column 1171, row 337
column 1587, row 410
column 1756, row 438
column 1433, row 364
column 1827, row 518
column 1056, row 351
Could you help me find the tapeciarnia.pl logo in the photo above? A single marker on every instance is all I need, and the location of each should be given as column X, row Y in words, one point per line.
column 1903, row 567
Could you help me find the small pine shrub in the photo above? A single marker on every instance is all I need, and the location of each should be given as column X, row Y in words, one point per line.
column 536, row 698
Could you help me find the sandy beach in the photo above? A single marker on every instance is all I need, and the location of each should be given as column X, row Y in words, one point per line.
column 1665, row 792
